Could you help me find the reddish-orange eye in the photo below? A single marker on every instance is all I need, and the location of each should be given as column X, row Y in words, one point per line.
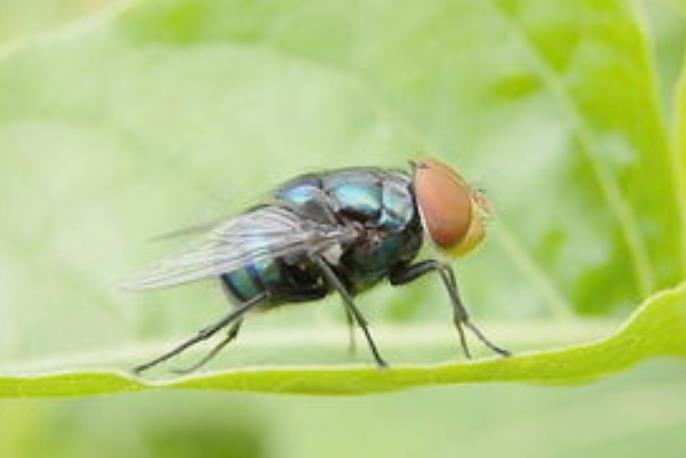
column 444, row 201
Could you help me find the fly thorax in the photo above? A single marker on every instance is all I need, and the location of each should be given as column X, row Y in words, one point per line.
column 374, row 240
column 333, row 254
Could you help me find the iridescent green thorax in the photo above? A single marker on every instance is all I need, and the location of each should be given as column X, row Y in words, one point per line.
column 380, row 202
column 372, row 196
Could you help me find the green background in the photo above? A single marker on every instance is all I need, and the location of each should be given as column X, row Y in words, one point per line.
column 119, row 121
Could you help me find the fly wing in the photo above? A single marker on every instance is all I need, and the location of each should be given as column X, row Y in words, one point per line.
column 263, row 233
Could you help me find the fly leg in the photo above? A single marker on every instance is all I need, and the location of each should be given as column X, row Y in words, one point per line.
column 204, row 333
column 231, row 335
column 352, row 309
column 407, row 273
column 352, row 345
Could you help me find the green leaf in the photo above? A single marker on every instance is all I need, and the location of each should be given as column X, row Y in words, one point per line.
column 680, row 142
column 665, row 22
column 115, row 129
column 656, row 329
column 676, row 5
column 20, row 18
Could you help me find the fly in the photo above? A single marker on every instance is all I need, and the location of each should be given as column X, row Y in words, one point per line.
column 340, row 231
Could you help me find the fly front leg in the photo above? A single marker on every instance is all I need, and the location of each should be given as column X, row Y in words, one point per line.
column 407, row 273
column 351, row 308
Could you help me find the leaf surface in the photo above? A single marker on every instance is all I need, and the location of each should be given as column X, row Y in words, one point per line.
column 115, row 129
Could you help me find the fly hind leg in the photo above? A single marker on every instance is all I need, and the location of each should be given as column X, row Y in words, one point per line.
column 230, row 335
column 234, row 319
column 204, row 334
column 352, row 344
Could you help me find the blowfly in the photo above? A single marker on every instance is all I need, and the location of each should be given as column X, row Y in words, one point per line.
column 340, row 231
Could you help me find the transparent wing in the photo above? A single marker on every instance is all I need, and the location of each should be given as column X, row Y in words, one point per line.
column 263, row 233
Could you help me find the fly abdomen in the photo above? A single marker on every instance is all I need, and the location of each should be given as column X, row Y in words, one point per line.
column 251, row 280
column 278, row 281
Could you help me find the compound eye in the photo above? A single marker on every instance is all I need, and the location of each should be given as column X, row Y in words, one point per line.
column 444, row 201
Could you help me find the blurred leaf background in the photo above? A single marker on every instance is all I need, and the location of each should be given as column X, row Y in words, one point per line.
column 121, row 120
